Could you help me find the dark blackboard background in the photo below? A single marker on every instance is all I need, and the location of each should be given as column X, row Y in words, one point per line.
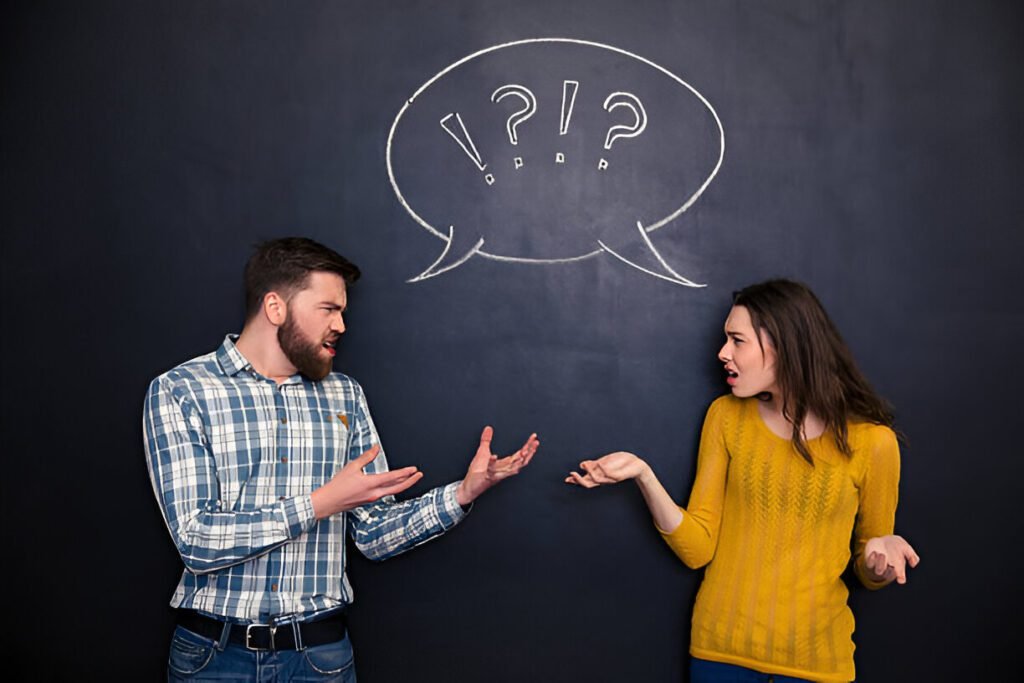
column 873, row 151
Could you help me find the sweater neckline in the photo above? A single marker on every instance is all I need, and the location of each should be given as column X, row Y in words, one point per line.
column 768, row 430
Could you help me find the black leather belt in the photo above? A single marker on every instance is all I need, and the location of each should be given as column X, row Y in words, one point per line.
column 286, row 636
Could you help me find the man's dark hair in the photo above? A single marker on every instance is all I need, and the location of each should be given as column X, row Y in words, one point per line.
column 283, row 265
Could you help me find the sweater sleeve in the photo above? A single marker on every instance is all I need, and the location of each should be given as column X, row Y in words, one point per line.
column 878, row 493
column 696, row 537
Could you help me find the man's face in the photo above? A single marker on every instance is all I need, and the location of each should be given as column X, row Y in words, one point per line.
column 313, row 324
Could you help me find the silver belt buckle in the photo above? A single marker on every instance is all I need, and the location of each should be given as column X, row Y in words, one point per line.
column 248, row 635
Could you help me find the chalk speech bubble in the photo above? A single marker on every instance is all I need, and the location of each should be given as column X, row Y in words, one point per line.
column 553, row 150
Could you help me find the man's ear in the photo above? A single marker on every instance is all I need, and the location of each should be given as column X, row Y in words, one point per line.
column 275, row 308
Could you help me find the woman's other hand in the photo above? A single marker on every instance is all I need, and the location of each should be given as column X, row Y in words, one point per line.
column 887, row 558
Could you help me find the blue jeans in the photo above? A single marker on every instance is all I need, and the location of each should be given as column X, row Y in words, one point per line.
column 703, row 671
column 195, row 658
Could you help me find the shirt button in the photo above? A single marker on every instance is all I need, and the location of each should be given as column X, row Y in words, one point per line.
column 280, row 497
column 284, row 420
column 273, row 587
column 284, row 459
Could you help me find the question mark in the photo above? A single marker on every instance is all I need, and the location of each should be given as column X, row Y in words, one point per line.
column 518, row 117
column 631, row 102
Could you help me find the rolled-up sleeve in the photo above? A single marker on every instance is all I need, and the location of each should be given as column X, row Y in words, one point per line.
column 386, row 527
column 183, row 473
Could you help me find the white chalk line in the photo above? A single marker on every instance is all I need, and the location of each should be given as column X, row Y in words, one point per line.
column 634, row 105
column 523, row 114
column 563, row 123
column 512, row 259
column 474, row 155
column 676, row 277
column 427, row 274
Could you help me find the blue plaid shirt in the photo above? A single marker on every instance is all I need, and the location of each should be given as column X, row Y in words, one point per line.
column 233, row 458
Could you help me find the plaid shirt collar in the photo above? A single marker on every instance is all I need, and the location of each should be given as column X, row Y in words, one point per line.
column 230, row 359
column 232, row 362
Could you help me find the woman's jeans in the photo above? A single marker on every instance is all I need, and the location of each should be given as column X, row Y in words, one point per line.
column 703, row 671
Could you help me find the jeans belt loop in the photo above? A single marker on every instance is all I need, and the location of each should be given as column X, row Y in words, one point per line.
column 297, row 632
column 224, row 638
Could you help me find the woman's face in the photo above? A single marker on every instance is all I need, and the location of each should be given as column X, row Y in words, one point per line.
column 749, row 366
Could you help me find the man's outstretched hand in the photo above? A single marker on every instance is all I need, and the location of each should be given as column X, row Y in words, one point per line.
column 351, row 487
column 487, row 469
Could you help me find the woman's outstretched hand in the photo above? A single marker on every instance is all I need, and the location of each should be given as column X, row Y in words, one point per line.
column 608, row 469
column 887, row 557
column 620, row 466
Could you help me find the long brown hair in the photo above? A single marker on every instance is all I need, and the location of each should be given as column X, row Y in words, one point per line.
column 815, row 370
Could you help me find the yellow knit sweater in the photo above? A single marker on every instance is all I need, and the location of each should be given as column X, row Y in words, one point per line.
column 777, row 532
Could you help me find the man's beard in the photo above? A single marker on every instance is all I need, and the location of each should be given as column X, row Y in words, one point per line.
column 303, row 353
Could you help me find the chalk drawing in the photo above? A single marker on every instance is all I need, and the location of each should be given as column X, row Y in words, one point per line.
column 569, row 90
column 465, row 141
column 632, row 103
column 528, row 110
column 433, row 270
column 462, row 244
column 672, row 276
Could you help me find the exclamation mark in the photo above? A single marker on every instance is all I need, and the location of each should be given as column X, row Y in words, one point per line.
column 569, row 89
column 466, row 143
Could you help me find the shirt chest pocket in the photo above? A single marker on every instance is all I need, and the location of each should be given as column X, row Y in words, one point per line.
column 320, row 440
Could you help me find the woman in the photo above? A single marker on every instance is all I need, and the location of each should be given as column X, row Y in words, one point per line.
column 800, row 456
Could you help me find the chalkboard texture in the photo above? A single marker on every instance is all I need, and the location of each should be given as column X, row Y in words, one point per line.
column 870, row 149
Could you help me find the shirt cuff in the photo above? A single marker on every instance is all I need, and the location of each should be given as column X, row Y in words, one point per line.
column 449, row 512
column 298, row 515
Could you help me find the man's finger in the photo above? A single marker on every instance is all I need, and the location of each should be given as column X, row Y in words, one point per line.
column 533, row 447
column 392, row 476
column 382, row 491
column 486, row 436
column 367, row 456
column 913, row 558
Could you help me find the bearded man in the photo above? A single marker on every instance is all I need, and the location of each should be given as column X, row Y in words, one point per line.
column 262, row 459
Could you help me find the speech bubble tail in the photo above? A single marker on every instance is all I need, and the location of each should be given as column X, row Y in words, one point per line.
column 646, row 259
column 460, row 248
